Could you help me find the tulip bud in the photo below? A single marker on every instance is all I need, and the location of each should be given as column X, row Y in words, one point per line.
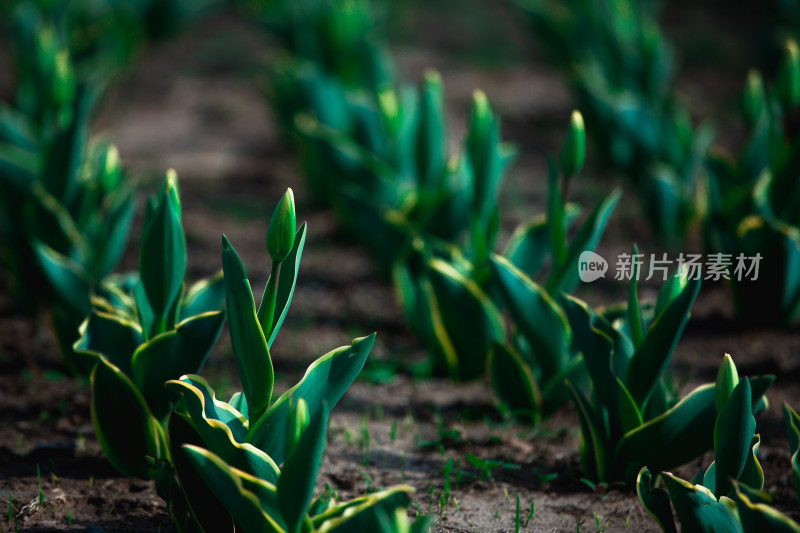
column 298, row 422
column 754, row 100
column 788, row 83
column 573, row 151
column 727, row 379
column 280, row 234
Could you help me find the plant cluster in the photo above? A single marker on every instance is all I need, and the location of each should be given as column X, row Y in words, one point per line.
column 728, row 496
column 65, row 205
column 621, row 70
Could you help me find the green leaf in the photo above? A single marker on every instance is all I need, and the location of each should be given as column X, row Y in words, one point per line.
column 111, row 336
column 226, row 484
column 325, row 381
column 672, row 439
column 204, row 296
column 125, row 429
column 299, row 472
column 733, row 432
column 634, row 311
column 286, row 284
column 360, row 514
column 253, row 362
column 68, row 278
column 556, row 221
column 655, row 501
column 540, row 320
column 162, row 260
column 529, row 246
column 470, row 322
column 204, row 505
column 652, row 358
column 514, row 384
column 173, row 354
column 431, row 133
column 752, row 475
column 586, row 238
column 792, row 421
column 594, row 438
column 698, row 510
column 758, row 516
column 221, row 427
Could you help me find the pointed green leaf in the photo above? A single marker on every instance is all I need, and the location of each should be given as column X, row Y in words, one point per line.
column 253, row 362
column 125, row 429
column 240, row 503
column 698, row 510
column 733, row 432
column 514, row 384
column 529, row 246
column 586, row 238
column 172, row 354
column 655, row 501
column 537, row 316
column 70, row 280
column 471, row 321
column 727, row 380
column 360, row 514
column 162, row 260
column 325, row 381
column 111, row 336
column 594, row 439
column 651, row 359
column 299, row 473
column 204, row 296
column 221, row 428
column 758, row 516
column 672, row 439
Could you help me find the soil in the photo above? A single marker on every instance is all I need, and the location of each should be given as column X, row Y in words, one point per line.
column 194, row 105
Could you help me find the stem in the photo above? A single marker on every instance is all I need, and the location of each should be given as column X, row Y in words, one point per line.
column 266, row 312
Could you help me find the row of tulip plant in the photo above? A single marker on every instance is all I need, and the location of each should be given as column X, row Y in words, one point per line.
column 378, row 154
column 66, row 204
column 621, row 70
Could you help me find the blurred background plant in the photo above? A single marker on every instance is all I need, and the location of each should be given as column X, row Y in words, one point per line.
column 620, row 69
column 754, row 198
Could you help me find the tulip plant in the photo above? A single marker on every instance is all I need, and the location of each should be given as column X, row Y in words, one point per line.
column 726, row 497
column 144, row 329
column 630, row 420
column 65, row 208
column 240, row 444
column 792, row 420
column 621, row 71
column 443, row 288
column 754, row 200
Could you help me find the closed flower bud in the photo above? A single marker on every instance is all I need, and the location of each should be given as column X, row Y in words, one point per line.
column 754, row 99
column 280, row 234
column 788, row 83
column 573, row 151
column 727, row 379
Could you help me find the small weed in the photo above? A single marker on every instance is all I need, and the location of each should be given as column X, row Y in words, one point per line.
column 530, row 514
column 39, row 484
column 600, row 526
column 516, row 516
column 393, row 432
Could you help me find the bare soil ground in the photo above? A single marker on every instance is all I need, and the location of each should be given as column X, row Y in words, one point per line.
column 193, row 105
